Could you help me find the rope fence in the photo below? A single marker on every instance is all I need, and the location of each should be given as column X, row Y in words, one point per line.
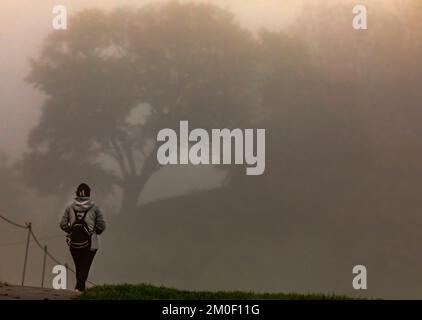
column 7, row 244
column 44, row 248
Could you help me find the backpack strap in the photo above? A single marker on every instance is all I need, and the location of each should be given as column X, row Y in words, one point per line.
column 85, row 213
column 77, row 219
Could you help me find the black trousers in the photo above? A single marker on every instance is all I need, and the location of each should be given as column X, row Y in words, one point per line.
column 83, row 259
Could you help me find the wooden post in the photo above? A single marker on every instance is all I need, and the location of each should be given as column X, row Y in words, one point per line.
column 67, row 273
column 28, row 225
column 43, row 267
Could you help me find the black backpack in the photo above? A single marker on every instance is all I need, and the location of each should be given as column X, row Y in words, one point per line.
column 79, row 237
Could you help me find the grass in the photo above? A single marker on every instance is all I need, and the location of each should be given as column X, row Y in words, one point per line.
column 150, row 292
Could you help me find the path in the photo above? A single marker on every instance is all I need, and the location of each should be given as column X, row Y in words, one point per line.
column 9, row 292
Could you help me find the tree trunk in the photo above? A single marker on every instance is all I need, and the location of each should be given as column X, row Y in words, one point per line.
column 131, row 193
column 135, row 185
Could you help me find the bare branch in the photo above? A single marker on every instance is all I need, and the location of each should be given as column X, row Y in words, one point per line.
column 119, row 157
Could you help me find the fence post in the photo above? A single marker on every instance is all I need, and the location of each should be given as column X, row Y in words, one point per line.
column 28, row 225
column 67, row 272
column 43, row 267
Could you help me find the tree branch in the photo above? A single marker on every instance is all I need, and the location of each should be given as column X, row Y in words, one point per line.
column 127, row 148
column 119, row 157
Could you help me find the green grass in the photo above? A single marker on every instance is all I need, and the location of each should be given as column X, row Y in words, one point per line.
column 150, row 292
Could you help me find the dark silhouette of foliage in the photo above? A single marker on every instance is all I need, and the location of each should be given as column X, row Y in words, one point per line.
column 113, row 79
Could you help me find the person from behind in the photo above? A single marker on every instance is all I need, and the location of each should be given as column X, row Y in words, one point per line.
column 83, row 222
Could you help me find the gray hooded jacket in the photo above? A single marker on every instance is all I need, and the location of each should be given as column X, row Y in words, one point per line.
column 94, row 218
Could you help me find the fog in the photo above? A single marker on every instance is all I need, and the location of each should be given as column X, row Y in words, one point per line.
column 340, row 108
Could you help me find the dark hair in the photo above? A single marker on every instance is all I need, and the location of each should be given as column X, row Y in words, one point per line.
column 83, row 190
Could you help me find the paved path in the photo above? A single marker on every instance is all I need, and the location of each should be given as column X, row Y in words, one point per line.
column 9, row 292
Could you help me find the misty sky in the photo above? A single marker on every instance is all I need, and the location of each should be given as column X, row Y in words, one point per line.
column 25, row 23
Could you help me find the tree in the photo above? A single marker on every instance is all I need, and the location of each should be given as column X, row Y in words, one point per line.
column 12, row 195
column 316, row 141
column 382, row 54
column 113, row 79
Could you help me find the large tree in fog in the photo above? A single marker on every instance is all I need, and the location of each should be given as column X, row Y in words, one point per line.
column 12, row 196
column 113, row 79
column 386, row 51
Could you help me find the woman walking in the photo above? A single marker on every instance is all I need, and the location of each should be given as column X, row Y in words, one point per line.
column 83, row 222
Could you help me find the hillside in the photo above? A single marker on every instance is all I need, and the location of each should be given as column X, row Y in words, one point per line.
column 150, row 292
